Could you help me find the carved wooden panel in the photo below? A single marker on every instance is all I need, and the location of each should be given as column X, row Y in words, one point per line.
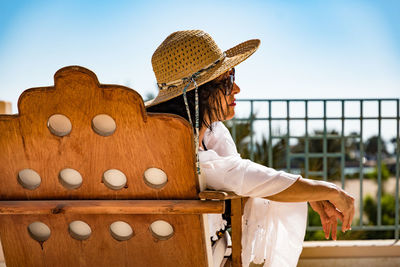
column 139, row 142
column 64, row 144
column 184, row 248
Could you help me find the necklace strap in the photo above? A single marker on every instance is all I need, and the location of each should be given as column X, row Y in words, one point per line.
column 192, row 79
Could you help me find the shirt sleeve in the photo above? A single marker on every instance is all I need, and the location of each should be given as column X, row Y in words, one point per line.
column 244, row 177
column 224, row 169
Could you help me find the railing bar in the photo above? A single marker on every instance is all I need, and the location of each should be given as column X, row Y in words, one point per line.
column 306, row 149
column 358, row 228
column 325, row 147
column 315, row 136
column 342, row 158
column 314, row 99
column 287, row 137
column 397, row 173
column 316, row 155
column 361, row 163
column 270, row 135
column 316, row 173
column 379, row 196
column 316, row 118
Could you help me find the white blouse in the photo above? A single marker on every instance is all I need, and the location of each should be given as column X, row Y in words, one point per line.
column 272, row 231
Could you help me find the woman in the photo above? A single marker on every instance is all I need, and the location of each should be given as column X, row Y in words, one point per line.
column 197, row 81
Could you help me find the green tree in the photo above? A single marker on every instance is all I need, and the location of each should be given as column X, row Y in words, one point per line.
column 388, row 215
column 385, row 174
column 371, row 146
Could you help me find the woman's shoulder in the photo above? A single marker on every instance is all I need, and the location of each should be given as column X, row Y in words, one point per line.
column 219, row 124
column 220, row 140
column 218, row 128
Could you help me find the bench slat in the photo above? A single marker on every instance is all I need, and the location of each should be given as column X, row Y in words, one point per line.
column 112, row 207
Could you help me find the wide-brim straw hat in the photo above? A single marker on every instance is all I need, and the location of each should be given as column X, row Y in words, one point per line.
column 193, row 54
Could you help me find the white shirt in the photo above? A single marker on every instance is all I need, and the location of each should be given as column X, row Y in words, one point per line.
column 280, row 225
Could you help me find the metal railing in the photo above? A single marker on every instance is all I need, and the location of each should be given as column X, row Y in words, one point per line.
column 323, row 135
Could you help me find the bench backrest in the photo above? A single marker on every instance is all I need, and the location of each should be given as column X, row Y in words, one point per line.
column 65, row 135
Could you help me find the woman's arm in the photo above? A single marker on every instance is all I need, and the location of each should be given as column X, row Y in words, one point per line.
column 306, row 190
column 313, row 190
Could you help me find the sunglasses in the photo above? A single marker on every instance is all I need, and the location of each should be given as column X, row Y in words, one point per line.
column 229, row 82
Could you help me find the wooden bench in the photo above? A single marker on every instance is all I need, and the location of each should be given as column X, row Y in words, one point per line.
column 88, row 178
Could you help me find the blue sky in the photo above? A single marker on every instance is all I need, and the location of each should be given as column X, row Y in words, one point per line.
column 309, row 49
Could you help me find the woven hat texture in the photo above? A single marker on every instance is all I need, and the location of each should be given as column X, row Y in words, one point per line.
column 184, row 53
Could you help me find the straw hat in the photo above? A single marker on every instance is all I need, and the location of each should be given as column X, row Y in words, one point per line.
column 193, row 54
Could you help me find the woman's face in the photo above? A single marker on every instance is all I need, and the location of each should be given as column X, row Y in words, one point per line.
column 228, row 106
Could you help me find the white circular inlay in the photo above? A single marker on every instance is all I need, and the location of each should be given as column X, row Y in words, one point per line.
column 114, row 179
column 121, row 231
column 29, row 179
column 79, row 230
column 161, row 230
column 103, row 125
column 155, row 178
column 39, row 231
column 70, row 178
column 59, row 125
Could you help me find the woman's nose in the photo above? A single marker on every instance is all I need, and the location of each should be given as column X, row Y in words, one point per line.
column 236, row 89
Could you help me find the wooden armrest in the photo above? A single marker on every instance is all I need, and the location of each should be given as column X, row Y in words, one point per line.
column 220, row 195
column 111, row 207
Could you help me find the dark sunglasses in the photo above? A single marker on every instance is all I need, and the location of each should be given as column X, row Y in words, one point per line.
column 229, row 82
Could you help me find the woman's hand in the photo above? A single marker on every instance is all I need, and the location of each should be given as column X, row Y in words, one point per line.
column 314, row 190
column 345, row 204
column 329, row 215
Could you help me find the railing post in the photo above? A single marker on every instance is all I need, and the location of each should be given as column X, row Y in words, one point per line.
column 251, row 131
column 325, row 147
column 342, row 150
column 361, row 174
column 288, row 157
column 379, row 162
column 306, row 145
column 396, row 234
column 270, row 154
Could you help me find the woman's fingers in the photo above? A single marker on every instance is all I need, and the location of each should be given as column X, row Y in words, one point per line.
column 345, row 204
column 338, row 214
column 331, row 210
column 329, row 214
column 346, row 220
column 327, row 229
column 326, row 226
column 350, row 213
column 325, row 221
column 333, row 214
column 318, row 207
column 334, row 227
column 350, row 219
column 345, row 225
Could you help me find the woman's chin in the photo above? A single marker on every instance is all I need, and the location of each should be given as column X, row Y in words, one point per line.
column 230, row 116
